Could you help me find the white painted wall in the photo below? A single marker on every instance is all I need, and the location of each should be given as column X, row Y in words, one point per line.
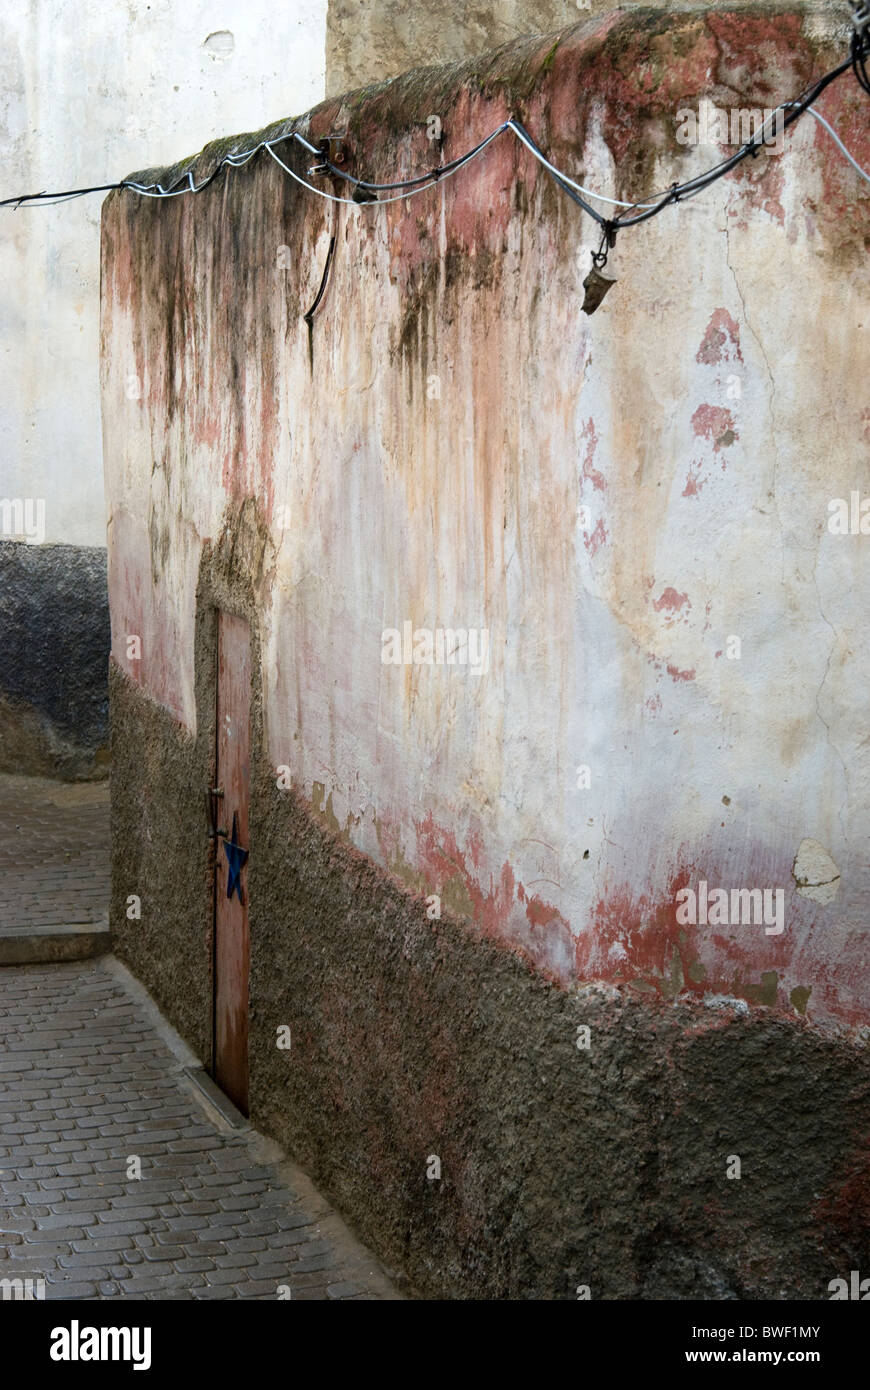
column 90, row 92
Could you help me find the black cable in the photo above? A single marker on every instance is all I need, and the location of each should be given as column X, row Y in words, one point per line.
column 857, row 61
column 692, row 186
column 859, row 56
column 70, row 193
column 566, row 187
column 433, row 174
column 320, row 293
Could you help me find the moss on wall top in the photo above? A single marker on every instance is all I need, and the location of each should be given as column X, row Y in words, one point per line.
column 650, row 48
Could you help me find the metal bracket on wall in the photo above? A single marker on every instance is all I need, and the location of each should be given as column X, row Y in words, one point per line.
column 332, row 151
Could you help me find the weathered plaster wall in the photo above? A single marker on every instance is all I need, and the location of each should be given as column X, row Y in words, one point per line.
column 370, row 42
column 367, row 42
column 86, row 91
column 424, row 454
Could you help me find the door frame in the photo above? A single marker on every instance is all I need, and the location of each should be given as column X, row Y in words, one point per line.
column 221, row 820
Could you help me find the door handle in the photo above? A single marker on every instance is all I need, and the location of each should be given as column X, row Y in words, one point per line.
column 211, row 800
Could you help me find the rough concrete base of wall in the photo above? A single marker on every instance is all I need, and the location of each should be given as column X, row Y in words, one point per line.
column 54, row 614
column 162, row 856
column 560, row 1166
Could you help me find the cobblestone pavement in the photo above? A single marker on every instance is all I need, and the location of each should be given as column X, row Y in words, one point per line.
column 54, row 853
column 91, row 1078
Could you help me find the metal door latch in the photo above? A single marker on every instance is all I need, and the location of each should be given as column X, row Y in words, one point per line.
column 211, row 800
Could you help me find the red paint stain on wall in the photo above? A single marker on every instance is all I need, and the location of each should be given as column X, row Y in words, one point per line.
column 596, row 538
column 546, row 942
column 694, row 481
column 444, row 861
column 539, row 912
column 670, row 601
column 588, row 473
column 721, row 341
column 716, row 423
column 631, row 936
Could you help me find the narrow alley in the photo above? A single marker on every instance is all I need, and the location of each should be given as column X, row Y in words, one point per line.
column 97, row 1088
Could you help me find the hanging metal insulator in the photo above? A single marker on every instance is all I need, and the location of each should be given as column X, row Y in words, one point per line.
column 596, row 286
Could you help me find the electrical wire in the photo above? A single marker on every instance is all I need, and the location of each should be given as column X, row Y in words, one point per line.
column 420, row 187
column 563, row 179
column 631, row 214
column 750, row 149
column 835, row 137
column 50, row 200
column 433, row 175
column 24, row 198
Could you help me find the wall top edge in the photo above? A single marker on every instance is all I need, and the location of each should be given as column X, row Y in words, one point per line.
column 513, row 70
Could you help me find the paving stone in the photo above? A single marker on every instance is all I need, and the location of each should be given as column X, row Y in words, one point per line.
column 248, row 1244
column 35, row 1253
column 221, row 1276
column 316, row 1262
column 261, row 1228
column 191, row 1265
column 131, row 1213
column 309, row 1250
column 69, row 1290
column 92, row 1082
column 119, row 1228
column 80, row 1259
column 234, row 1260
column 101, row 1243
column 264, row 1288
column 222, row 1233
column 293, row 1220
column 164, row 1252
column 234, row 1204
column 62, row 1223
column 178, row 1224
column 301, row 1235
column 158, row 1283
column 274, row 1269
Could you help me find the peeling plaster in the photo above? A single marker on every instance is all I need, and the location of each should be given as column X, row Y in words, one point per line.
column 461, row 509
column 815, row 874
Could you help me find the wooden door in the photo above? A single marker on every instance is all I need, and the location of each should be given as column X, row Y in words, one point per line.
column 232, row 939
